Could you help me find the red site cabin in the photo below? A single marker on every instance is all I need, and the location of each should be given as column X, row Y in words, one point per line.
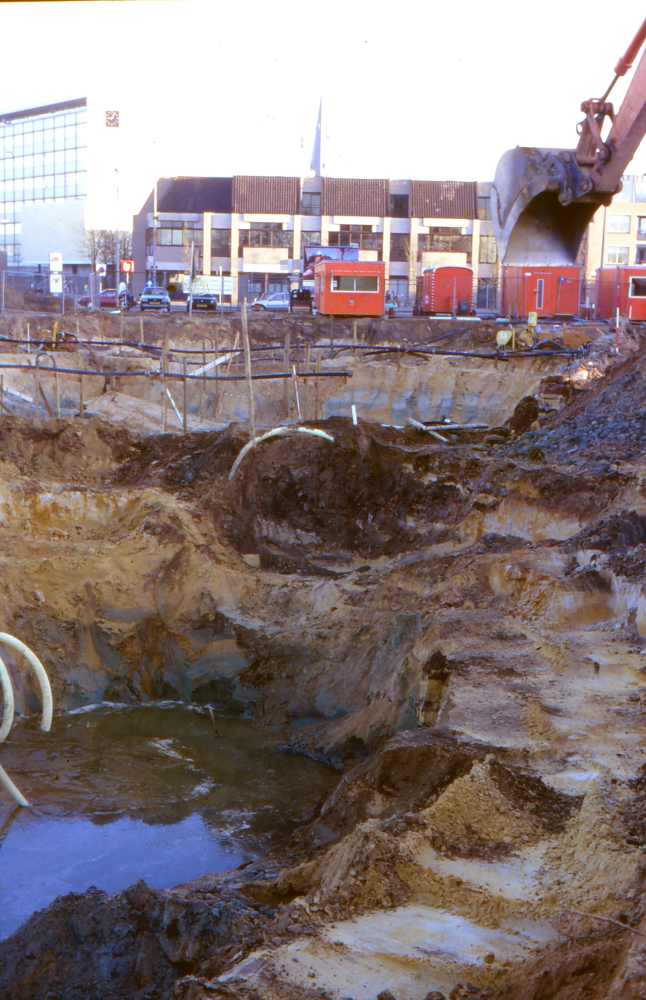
column 623, row 287
column 349, row 288
column 545, row 290
column 447, row 289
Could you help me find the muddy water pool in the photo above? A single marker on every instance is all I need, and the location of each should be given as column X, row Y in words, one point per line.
column 120, row 793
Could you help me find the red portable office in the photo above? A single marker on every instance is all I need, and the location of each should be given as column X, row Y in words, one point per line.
column 447, row 289
column 623, row 288
column 349, row 288
column 545, row 290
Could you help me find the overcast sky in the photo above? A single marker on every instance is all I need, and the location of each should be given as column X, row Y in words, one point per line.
column 410, row 89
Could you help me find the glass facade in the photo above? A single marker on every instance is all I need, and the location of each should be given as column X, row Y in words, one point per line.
column 43, row 157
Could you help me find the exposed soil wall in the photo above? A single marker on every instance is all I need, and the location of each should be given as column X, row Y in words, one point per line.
column 459, row 628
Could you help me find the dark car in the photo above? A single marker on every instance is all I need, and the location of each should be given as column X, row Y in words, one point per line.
column 203, row 301
column 108, row 300
column 154, row 298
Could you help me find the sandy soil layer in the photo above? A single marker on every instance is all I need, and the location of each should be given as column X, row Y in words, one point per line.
column 459, row 628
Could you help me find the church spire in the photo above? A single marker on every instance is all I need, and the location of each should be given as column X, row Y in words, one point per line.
column 316, row 165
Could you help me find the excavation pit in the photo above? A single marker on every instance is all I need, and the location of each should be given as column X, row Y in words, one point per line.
column 122, row 793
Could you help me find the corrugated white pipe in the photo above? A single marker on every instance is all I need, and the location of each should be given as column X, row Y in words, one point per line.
column 11, row 788
column 8, row 706
column 7, row 692
column 43, row 679
column 276, row 432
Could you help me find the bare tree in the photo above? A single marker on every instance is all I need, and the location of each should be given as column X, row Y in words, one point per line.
column 100, row 245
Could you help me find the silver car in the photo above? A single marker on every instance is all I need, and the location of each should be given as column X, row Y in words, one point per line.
column 154, row 298
column 276, row 301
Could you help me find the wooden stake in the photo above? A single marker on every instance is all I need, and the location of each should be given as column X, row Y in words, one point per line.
column 213, row 722
column 185, row 395
column 317, row 385
column 354, row 338
column 141, row 328
column 217, row 376
column 81, row 402
column 306, row 387
column 247, row 367
column 202, row 383
column 286, row 354
column 233, row 351
column 165, row 367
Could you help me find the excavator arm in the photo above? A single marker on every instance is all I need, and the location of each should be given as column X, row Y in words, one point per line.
column 543, row 199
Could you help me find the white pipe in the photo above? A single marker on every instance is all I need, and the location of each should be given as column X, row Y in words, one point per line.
column 8, row 707
column 179, row 417
column 354, row 415
column 11, row 788
column 276, row 432
column 222, row 360
column 39, row 669
column 423, row 427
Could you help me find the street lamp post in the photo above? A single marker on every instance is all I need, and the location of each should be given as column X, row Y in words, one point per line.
column 116, row 278
column 154, row 267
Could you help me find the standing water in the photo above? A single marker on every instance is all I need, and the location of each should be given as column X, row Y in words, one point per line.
column 120, row 793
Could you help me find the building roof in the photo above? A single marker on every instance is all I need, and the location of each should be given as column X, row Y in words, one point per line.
column 267, row 195
column 342, row 196
column 198, row 194
column 346, row 196
column 444, row 200
column 44, row 109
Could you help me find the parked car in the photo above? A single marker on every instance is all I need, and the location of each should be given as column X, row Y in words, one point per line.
column 301, row 299
column 272, row 300
column 108, row 300
column 204, row 301
column 154, row 298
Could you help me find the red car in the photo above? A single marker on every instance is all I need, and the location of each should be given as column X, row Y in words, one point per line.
column 108, row 300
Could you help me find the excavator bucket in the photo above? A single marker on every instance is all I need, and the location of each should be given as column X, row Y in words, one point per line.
column 541, row 204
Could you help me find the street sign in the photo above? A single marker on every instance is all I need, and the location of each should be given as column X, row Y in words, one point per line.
column 56, row 284
column 128, row 266
column 56, row 261
column 207, row 284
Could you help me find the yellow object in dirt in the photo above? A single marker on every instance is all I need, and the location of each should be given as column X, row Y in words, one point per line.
column 504, row 336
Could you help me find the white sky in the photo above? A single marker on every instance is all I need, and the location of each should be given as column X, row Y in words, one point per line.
column 424, row 89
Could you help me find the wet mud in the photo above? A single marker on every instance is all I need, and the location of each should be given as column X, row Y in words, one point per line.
column 459, row 629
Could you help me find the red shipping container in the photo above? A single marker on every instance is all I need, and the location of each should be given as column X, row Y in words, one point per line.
column 445, row 289
column 349, row 288
column 543, row 289
column 624, row 287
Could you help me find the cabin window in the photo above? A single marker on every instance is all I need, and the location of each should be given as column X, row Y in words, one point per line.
column 539, row 293
column 355, row 283
column 637, row 288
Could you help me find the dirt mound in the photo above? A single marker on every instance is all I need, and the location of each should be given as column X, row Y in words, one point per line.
column 483, row 812
column 617, row 533
column 356, row 493
column 59, row 448
column 605, row 423
column 411, row 770
column 148, row 938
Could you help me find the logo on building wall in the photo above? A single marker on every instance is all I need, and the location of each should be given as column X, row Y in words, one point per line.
column 112, row 118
